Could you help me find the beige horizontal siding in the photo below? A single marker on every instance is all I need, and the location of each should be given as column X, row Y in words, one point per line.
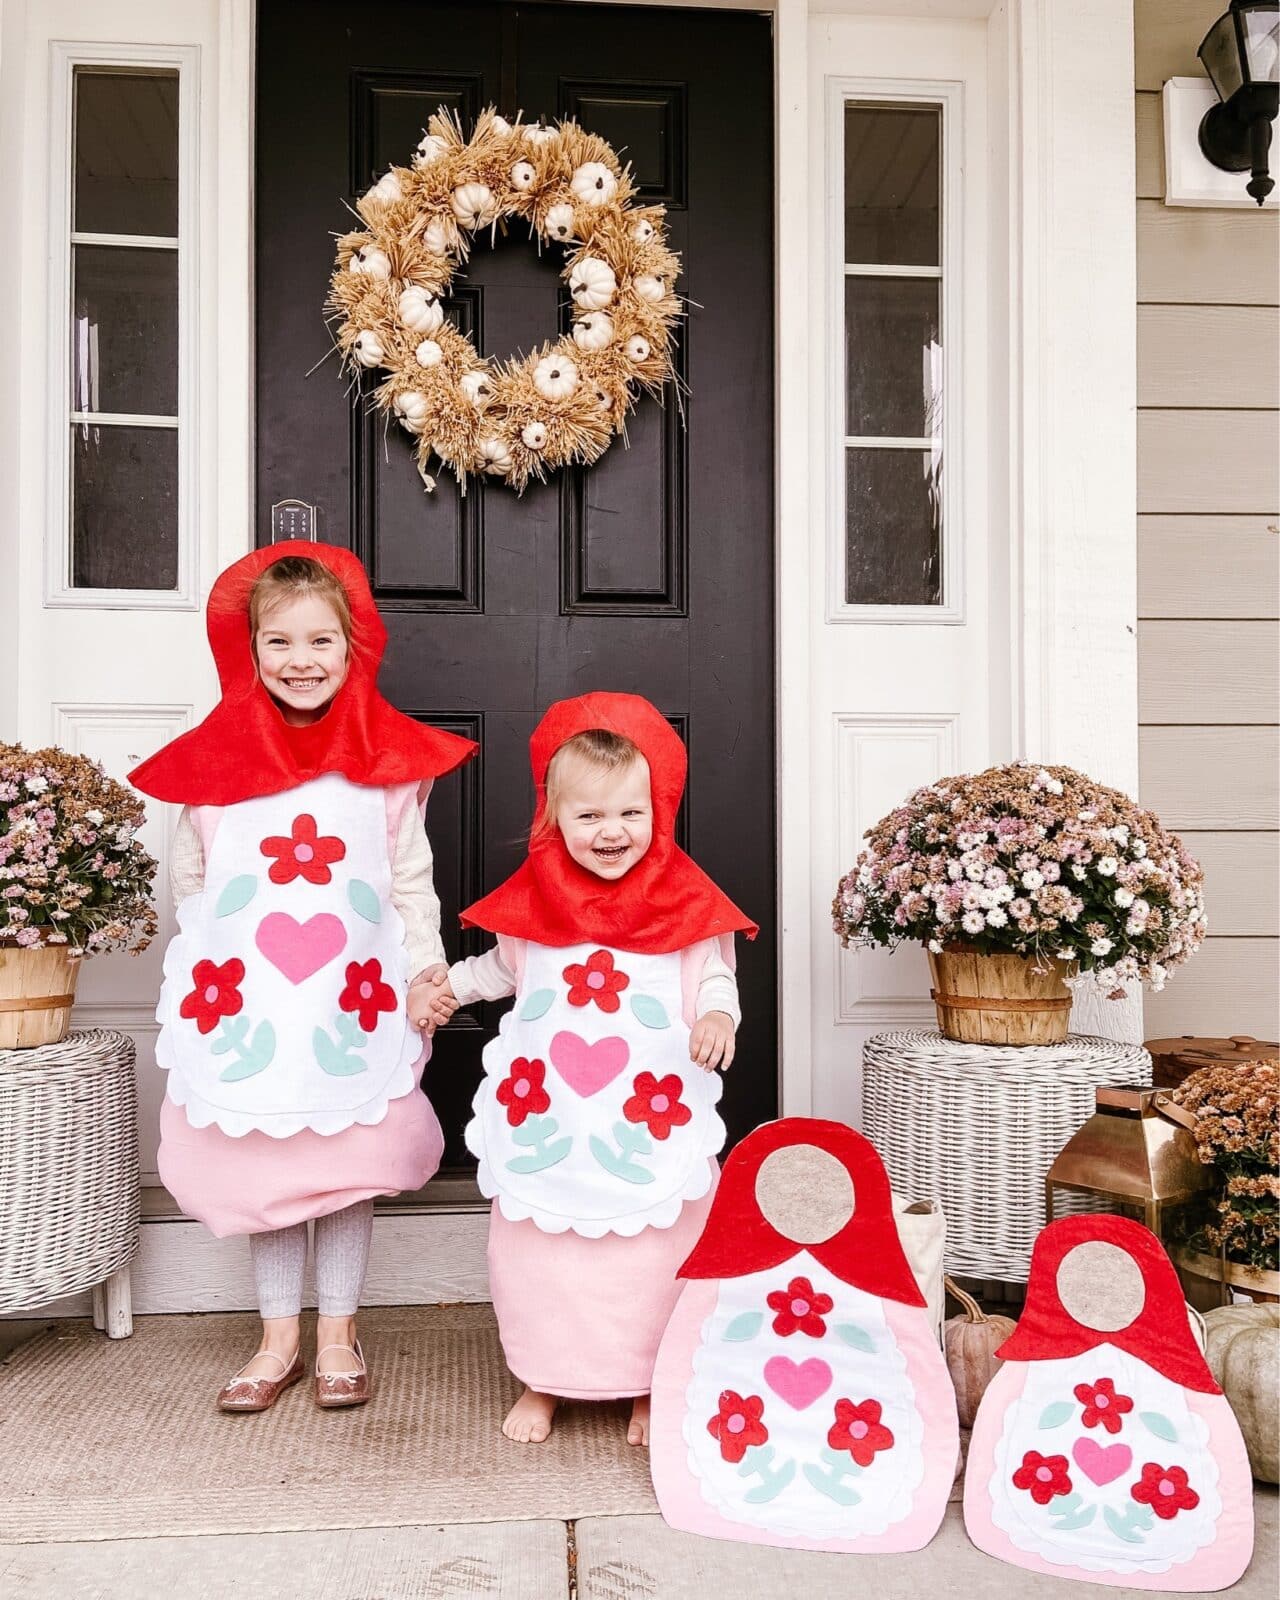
column 1210, row 778
column 1241, row 874
column 1201, row 672
column 1207, row 257
column 1208, row 566
column 1166, row 34
column 1208, row 461
column 1219, row 356
column 1148, row 131
column 1229, row 986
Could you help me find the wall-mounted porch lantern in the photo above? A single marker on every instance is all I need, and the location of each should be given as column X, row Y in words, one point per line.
column 1241, row 54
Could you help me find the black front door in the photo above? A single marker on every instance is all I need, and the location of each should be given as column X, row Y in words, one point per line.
column 653, row 571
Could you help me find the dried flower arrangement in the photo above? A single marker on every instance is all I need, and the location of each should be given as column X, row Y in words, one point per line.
column 72, row 869
column 1237, row 1132
column 563, row 402
column 1033, row 861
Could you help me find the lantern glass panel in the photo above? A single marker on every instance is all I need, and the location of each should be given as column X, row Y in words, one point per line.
column 1220, row 53
column 1262, row 45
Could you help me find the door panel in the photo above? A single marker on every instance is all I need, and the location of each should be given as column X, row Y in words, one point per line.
column 651, row 572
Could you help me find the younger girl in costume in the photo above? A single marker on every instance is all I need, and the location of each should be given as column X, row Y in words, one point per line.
column 595, row 1125
column 302, row 875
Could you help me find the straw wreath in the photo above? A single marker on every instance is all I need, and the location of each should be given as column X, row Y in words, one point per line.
column 520, row 418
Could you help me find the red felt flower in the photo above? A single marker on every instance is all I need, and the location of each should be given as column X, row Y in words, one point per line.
column 738, row 1424
column 303, row 854
column 521, row 1091
column 1165, row 1490
column 597, row 981
column 858, row 1430
column 1103, row 1405
column 1044, row 1476
column 366, row 994
column 215, row 994
column 656, row 1102
column 800, row 1309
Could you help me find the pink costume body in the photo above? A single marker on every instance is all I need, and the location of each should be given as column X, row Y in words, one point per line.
column 582, row 1316
column 330, row 1145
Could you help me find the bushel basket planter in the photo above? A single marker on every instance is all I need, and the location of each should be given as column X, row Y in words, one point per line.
column 999, row 999
column 37, row 990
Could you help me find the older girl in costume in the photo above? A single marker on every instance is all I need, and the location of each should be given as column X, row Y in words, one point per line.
column 596, row 1126
column 302, row 876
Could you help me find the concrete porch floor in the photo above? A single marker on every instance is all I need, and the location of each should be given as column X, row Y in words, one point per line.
column 596, row 1558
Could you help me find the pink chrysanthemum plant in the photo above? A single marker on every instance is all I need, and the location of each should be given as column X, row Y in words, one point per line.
column 1032, row 861
column 72, row 869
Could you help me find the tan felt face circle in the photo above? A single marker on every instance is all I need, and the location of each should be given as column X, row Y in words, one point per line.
column 805, row 1193
column 1101, row 1286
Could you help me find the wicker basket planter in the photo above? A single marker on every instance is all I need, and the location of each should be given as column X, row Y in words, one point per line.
column 1001, row 999
column 37, row 989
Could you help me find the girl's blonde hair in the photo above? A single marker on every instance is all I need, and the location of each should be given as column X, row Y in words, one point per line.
column 597, row 748
column 292, row 578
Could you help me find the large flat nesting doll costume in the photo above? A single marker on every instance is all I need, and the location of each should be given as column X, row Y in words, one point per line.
column 800, row 1397
column 1103, row 1449
column 596, row 1135
column 293, row 1072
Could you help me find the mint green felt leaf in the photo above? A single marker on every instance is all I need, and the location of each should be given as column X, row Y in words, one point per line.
column 1132, row 1525
column 650, row 1011
column 858, row 1337
column 339, row 1059
column 537, row 1005
column 1055, row 1415
column 252, row 1056
column 1159, row 1424
column 364, row 900
column 744, row 1326
column 236, row 895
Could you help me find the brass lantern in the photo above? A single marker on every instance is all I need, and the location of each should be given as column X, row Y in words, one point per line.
column 1134, row 1155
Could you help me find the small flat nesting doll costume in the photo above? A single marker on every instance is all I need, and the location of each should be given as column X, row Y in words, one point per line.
column 293, row 1072
column 800, row 1397
column 595, row 1134
column 1103, row 1449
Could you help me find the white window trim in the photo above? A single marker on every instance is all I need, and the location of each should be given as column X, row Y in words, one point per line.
column 950, row 97
column 65, row 57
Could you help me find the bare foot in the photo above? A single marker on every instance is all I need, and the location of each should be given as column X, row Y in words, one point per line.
column 529, row 1420
column 638, row 1427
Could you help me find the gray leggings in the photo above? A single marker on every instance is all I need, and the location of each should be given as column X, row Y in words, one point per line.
column 342, row 1256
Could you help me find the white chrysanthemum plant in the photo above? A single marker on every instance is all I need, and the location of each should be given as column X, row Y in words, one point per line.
column 1040, row 862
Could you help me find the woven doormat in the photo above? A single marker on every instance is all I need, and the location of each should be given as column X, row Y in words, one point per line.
column 112, row 1439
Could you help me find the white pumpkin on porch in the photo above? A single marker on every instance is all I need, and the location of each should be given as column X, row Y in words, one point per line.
column 592, row 284
column 428, row 353
column 496, row 457
column 370, row 262
column 558, row 223
column 637, row 348
column 555, row 377
column 594, row 331
column 593, row 183
column 411, row 408
column 420, row 311
column 386, row 191
column 523, row 176
column 478, row 388
column 534, row 435
column 473, row 205
column 648, row 287
column 367, row 348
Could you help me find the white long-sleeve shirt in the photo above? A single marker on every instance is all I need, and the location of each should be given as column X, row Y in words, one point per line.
column 488, row 977
column 413, row 891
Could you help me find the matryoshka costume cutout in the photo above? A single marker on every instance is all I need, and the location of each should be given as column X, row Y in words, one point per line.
column 292, row 1066
column 595, row 1133
column 800, row 1397
column 1103, row 1449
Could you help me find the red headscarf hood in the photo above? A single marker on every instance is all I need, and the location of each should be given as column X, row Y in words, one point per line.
column 664, row 903
column 866, row 1252
column 244, row 748
column 1160, row 1334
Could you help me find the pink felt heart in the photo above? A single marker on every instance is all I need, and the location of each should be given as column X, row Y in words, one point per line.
column 798, row 1383
column 588, row 1068
column 300, row 949
column 1101, row 1463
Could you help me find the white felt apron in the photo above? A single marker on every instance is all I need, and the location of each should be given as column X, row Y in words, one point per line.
column 1090, row 1516
column 590, row 1116
column 314, row 1034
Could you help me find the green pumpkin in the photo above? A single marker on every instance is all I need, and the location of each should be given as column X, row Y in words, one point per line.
column 1243, row 1352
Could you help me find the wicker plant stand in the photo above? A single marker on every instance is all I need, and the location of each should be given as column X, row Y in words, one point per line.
column 976, row 1127
column 69, row 1175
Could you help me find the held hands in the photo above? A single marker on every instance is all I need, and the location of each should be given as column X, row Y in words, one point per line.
column 431, row 1001
column 711, row 1042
